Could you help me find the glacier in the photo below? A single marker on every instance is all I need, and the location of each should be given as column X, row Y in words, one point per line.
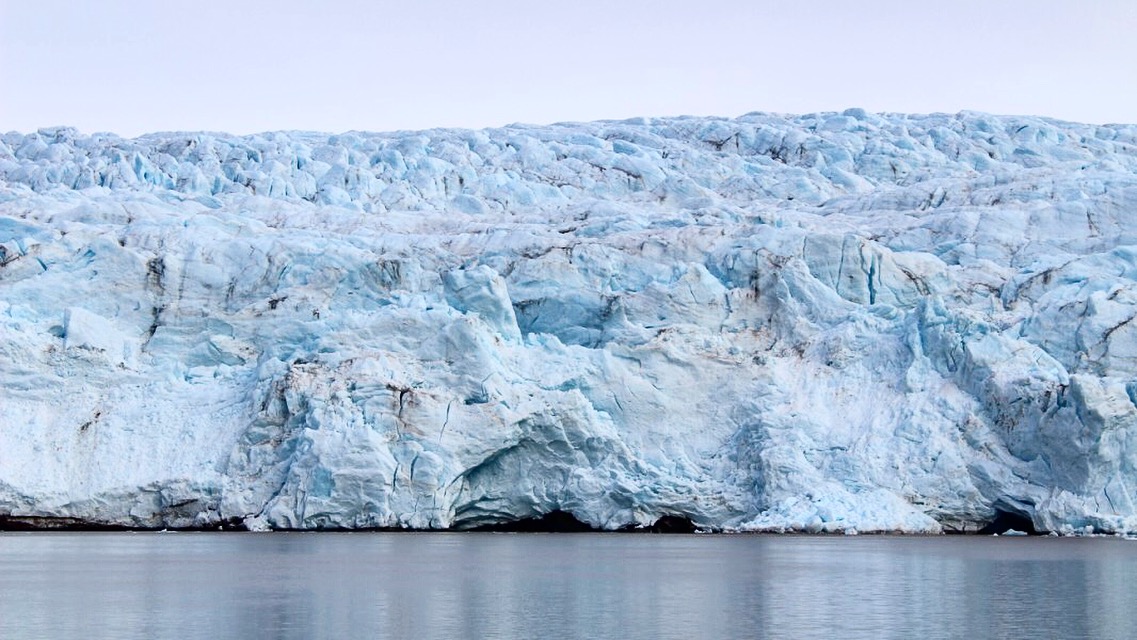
column 835, row 322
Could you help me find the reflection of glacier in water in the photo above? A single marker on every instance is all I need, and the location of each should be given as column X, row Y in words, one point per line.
column 824, row 323
column 566, row 586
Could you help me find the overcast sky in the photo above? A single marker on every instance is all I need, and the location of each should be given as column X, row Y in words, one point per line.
column 245, row 66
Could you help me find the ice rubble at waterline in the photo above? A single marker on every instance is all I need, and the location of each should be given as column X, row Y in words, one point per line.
column 820, row 323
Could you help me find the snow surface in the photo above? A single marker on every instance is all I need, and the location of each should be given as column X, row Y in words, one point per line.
column 833, row 322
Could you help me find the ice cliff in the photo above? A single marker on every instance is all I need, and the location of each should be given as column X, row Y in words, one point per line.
column 821, row 323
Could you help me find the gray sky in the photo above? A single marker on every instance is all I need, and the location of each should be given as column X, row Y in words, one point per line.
column 133, row 66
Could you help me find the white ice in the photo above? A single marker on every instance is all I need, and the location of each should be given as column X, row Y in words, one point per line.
column 832, row 322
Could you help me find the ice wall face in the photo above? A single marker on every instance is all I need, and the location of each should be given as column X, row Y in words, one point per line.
column 827, row 322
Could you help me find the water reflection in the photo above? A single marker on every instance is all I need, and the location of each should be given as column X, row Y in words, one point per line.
column 569, row 586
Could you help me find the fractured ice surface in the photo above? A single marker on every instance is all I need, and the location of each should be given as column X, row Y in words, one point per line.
column 825, row 323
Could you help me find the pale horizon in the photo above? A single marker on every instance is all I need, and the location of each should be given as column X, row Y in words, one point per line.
column 131, row 67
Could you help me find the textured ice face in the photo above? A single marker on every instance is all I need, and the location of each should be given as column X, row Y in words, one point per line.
column 819, row 323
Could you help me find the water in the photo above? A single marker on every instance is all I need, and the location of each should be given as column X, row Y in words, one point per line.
column 201, row 585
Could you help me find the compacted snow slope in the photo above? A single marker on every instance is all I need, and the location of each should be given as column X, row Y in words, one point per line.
column 829, row 322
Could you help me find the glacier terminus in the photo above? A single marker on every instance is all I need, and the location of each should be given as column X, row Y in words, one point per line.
column 833, row 322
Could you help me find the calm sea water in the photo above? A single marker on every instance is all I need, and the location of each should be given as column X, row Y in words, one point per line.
column 283, row 585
